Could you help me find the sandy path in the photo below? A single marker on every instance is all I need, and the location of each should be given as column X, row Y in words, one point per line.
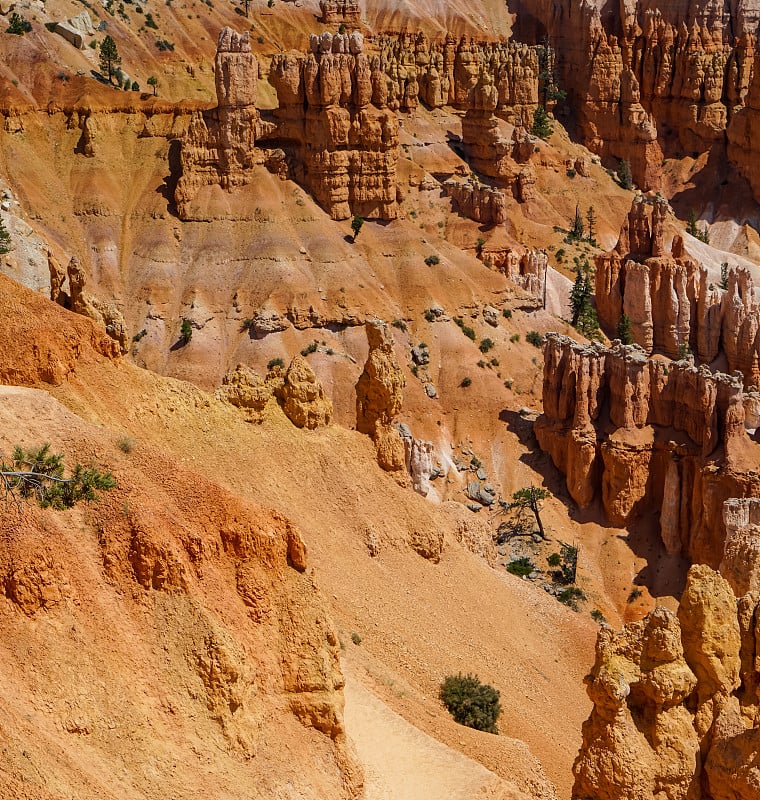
column 403, row 763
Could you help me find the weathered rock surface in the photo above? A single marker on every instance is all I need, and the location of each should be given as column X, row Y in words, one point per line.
column 675, row 702
column 333, row 117
column 243, row 388
column 741, row 556
column 218, row 145
column 649, row 435
column 337, row 12
column 478, row 201
column 379, row 396
column 76, row 29
column 672, row 305
column 106, row 315
column 303, row 398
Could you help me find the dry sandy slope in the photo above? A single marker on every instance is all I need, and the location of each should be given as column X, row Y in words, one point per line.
column 402, row 763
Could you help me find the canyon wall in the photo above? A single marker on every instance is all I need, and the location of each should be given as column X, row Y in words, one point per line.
column 676, row 701
column 645, row 77
column 337, row 139
column 671, row 303
column 642, row 434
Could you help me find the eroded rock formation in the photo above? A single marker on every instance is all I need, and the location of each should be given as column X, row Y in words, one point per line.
column 741, row 555
column 244, row 388
column 648, row 78
column 477, row 201
column 672, row 305
column 645, row 434
column 218, row 145
column 303, row 398
column 332, row 115
column 379, row 396
column 106, row 315
column 337, row 12
column 675, row 702
column 446, row 72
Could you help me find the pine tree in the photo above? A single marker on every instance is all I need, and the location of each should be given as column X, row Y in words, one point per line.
column 624, row 332
column 579, row 296
column 542, row 126
column 5, row 239
column 356, row 225
column 724, row 275
column 109, row 57
column 624, row 174
column 691, row 225
column 590, row 223
column 576, row 231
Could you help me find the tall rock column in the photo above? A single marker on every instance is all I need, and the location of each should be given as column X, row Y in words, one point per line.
column 379, row 396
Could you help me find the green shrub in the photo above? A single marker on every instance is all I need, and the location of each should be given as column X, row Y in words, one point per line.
column 429, row 315
column 185, row 331
column 554, row 560
column 535, row 338
column 471, row 702
column 432, row 260
column 126, row 444
column 150, row 22
column 399, row 323
column 570, row 596
column 521, row 566
column 486, row 345
column 507, row 313
column 310, row 348
column 634, row 595
column 597, row 616
column 355, row 638
column 19, row 25
column 139, row 335
column 465, row 382
column 275, row 362
column 514, row 338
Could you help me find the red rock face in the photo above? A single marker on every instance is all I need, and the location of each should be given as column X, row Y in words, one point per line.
column 646, row 434
column 670, row 301
column 648, row 78
column 337, row 12
column 477, row 201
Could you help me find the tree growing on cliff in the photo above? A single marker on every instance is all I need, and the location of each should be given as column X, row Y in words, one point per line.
column 530, row 499
column 576, row 229
column 723, row 275
column 356, row 225
column 542, row 126
column 623, row 331
column 39, row 475
column 694, row 230
column 624, row 174
column 109, row 57
column 153, row 83
column 584, row 318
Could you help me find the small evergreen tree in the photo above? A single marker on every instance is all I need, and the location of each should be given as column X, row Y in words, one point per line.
column 109, row 57
column 691, row 225
column 356, row 225
column 153, row 83
column 576, row 230
column 185, row 332
column 623, row 331
column 724, row 275
column 530, row 498
column 590, row 223
column 542, row 126
column 5, row 239
column 624, row 174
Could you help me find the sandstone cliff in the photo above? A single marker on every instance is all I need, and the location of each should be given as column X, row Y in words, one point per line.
column 649, row 435
column 675, row 702
column 673, row 306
